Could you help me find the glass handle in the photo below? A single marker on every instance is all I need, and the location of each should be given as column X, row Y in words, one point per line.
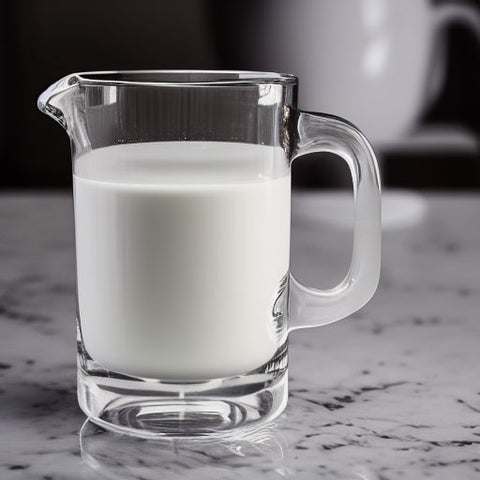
column 309, row 307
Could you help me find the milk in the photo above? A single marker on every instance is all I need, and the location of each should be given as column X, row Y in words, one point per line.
column 181, row 252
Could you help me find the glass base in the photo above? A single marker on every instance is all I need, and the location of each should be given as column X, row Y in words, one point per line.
column 153, row 408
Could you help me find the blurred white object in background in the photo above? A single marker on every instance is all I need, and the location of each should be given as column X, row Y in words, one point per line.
column 435, row 139
column 401, row 209
column 378, row 63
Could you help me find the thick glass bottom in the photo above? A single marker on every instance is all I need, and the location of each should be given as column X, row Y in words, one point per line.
column 154, row 408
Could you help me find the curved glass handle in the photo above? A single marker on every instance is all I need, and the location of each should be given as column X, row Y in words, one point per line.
column 309, row 307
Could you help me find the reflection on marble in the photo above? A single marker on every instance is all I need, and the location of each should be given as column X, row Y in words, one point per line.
column 390, row 393
column 118, row 457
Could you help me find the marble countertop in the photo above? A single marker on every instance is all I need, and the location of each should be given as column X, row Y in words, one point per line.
column 393, row 392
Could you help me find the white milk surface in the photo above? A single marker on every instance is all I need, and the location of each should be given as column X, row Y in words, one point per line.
column 181, row 248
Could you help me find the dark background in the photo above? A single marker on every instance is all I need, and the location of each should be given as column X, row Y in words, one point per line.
column 41, row 41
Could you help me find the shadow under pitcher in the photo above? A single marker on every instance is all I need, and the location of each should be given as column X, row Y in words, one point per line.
column 181, row 186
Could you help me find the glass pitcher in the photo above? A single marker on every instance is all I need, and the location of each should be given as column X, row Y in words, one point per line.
column 181, row 186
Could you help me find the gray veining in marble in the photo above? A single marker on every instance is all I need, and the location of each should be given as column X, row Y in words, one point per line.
column 391, row 393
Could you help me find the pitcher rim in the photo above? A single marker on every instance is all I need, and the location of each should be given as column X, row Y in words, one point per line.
column 183, row 77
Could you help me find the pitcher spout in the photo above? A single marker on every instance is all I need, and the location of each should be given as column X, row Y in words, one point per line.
column 56, row 100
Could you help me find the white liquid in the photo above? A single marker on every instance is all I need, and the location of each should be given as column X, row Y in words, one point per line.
column 181, row 250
